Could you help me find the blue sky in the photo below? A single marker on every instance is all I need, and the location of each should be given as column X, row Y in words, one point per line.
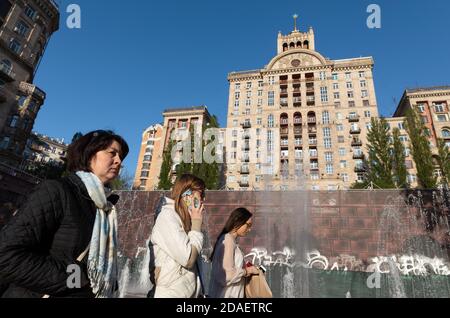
column 132, row 59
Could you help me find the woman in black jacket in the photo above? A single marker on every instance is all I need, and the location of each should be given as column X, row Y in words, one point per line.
column 63, row 240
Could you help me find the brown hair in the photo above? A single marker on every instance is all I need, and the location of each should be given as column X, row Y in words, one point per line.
column 184, row 183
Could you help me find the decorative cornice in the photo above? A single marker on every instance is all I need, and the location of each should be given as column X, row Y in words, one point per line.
column 425, row 95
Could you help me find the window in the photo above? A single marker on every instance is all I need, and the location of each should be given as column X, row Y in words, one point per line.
column 349, row 85
column 407, row 152
column 439, row 108
column 249, row 85
column 21, row 28
column 327, row 143
column 233, row 155
column 329, row 168
column 327, row 132
column 342, row 152
column 144, row 174
column 348, row 76
column 322, row 76
column 236, row 105
column 260, row 102
column 362, row 74
column 234, row 144
column 401, row 126
column 259, row 121
column 231, row 178
column 341, row 139
column 21, row 101
column 412, row 178
column 364, row 93
column 363, row 84
column 235, row 123
column 14, row 121
column 150, row 142
column 328, row 156
column 366, row 103
column 367, row 114
column 324, row 94
column 271, row 101
column 421, row 108
column 145, row 166
column 350, row 95
column 248, row 102
column 148, row 158
column 315, row 176
column 446, row 133
column 258, row 131
column 335, row 86
column 15, row 46
column 336, row 95
column 334, row 76
column 237, row 95
column 237, row 86
column 271, row 80
column 344, row 177
column 442, row 118
column 339, row 116
column 260, row 83
column 249, row 94
column 4, row 144
column 351, row 103
column 270, row 121
column 30, row 12
column 260, row 93
column 424, row 119
column 343, row 164
column 325, row 117
column 337, row 104
column 340, row 127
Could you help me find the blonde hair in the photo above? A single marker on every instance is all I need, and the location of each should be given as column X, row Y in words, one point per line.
column 184, row 183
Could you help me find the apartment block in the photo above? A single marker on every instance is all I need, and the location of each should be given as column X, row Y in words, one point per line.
column 301, row 121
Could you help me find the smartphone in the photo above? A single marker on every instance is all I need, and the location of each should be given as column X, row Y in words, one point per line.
column 196, row 203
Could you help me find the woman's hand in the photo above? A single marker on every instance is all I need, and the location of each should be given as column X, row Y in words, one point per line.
column 251, row 270
column 197, row 213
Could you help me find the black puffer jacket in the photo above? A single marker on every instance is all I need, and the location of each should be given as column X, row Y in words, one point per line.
column 49, row 233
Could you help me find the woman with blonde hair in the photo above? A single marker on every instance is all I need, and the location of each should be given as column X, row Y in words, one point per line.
column 176, row 240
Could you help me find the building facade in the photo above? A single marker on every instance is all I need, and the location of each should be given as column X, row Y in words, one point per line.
column 156, row 139
column 25, row 30
column 45, row 150
column 432, row 103
column 300, row 122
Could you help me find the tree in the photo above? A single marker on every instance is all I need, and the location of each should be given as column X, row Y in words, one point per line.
column 398, row 160
column 420, row 149
column 77, row 136
column 380, row 161
column 208, row 172
column 166, row 168
column 123, row 182
column 444, row 161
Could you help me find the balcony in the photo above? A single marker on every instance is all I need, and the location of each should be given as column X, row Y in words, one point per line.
column 284, row 156
column 355, row 130
column 312, row 142
column 312, row 131
column 298, row 132
column 31, row 89
column 246, row 146
column 246, row 135
column 360, row 168
column 245, row 169
column 284, row 143
column 284, row 132
column 311, row 121
column 6, row 73
column 245, row 158
column 284, row 104
column 353, row 119
column 243, row 183
column 310, row 89
column 356, row 143
column 298, row 143
column 283, row 93
column 358, row 155
column 297, row 121
column 246, row 125
column 314, row 167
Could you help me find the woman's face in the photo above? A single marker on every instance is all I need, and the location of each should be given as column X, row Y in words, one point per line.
column 106, row 163
column 244, row 229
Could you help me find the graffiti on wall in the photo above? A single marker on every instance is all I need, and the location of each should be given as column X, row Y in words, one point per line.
column 418, row 265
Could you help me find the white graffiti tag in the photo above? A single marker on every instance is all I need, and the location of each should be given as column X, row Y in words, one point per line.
column 260, row 256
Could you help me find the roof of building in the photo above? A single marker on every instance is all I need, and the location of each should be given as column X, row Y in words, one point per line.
column 193, row 108
column 426, row 89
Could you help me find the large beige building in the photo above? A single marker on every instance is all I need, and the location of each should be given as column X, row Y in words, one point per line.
column 432, row 103
column 301, row 121
column 155, row 140
column 25, row 29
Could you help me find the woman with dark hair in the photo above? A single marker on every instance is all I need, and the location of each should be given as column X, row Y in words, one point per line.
column 228, row 272
column 176, row 241
column 63, row 240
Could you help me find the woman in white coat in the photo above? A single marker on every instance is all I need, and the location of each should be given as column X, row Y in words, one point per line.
column 177, row 240
column 228, row 270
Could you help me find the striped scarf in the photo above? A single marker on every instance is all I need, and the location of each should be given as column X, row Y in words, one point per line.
column 102, row 260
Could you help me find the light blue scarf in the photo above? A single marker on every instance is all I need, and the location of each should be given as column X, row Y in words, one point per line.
column 102, row 260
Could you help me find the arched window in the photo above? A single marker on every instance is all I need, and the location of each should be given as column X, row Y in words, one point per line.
column 446, row 133
column 285, row 47
column 292, row 45
column 284, row 119
column 306, row 44
column 270, row 121
column 299, row 44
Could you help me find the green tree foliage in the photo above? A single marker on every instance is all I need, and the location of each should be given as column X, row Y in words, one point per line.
column 444, row 161
column 398, row 160
column 420, row 149
column 166, row 168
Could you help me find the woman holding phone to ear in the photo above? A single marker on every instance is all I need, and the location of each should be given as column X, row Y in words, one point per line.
column 177, row 240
